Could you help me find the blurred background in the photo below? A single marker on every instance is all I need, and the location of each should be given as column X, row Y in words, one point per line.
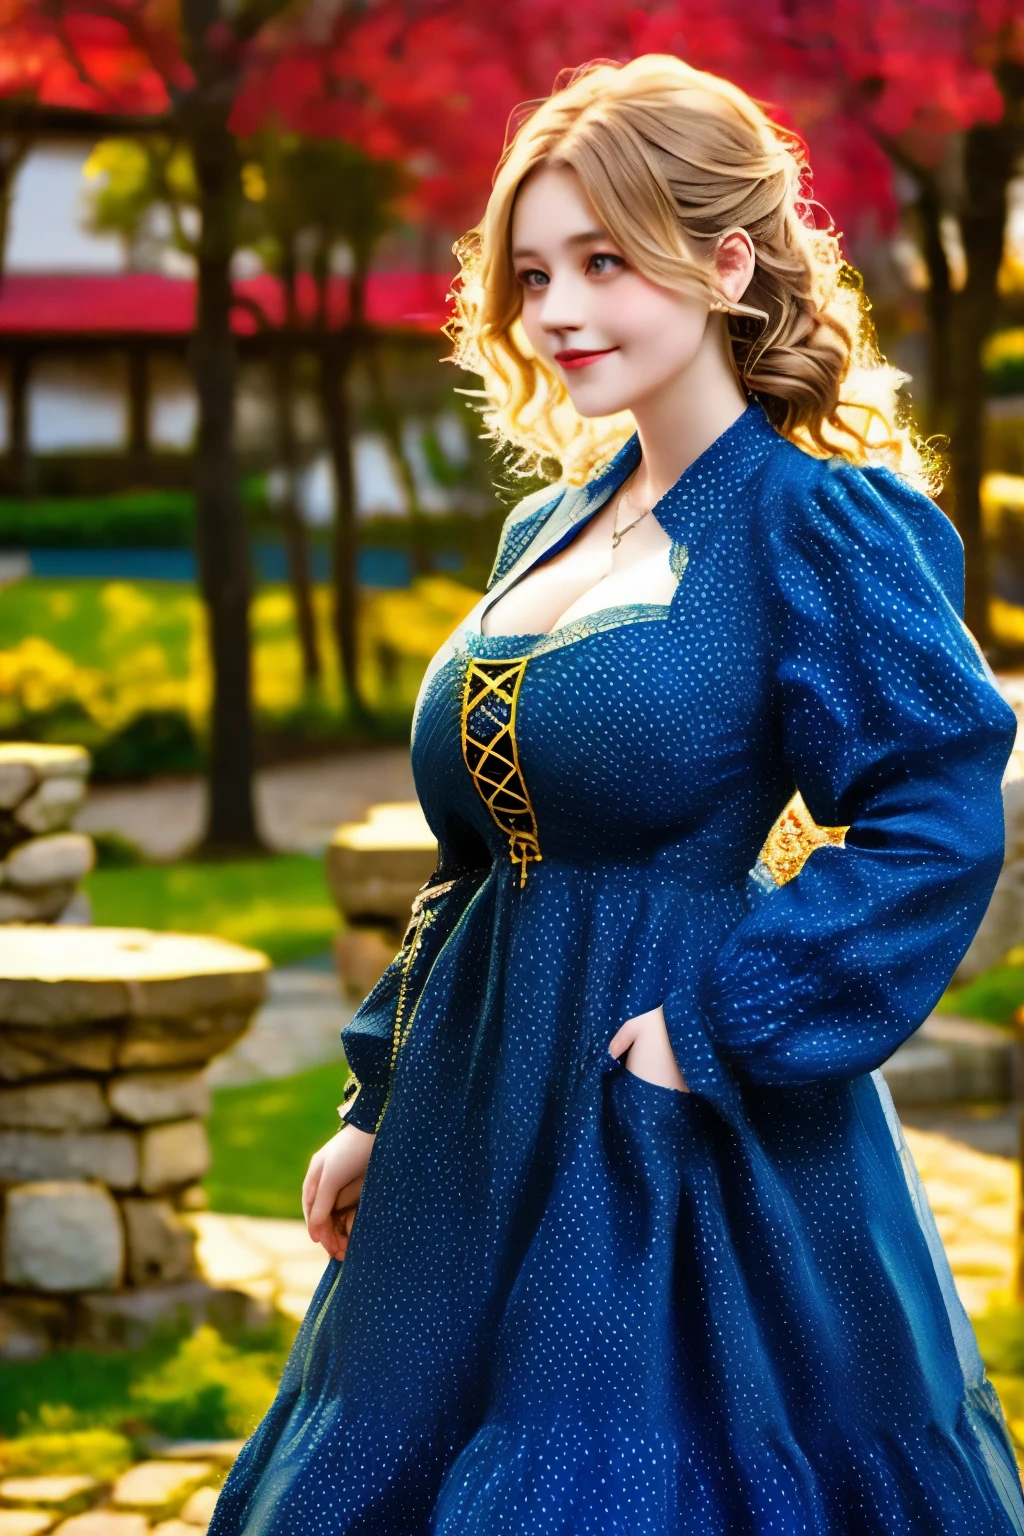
column 243, row 499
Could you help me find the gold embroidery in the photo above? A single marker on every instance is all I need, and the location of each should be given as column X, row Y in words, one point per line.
column 421, row 918
column 490, row 691
column 794, row 838
column 399, row 1034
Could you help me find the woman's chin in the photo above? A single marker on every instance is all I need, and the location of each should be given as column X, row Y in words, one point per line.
column 591, row 404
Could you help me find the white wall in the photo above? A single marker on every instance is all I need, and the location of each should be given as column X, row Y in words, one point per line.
column 47, row 212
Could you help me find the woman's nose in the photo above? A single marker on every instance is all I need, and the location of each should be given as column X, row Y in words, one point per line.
column 560, row 309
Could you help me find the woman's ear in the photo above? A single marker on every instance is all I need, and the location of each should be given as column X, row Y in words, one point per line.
column 734, row 263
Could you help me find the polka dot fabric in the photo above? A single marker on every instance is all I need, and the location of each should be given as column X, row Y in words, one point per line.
column 575, row 1302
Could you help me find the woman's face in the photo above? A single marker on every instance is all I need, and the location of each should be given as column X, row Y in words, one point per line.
column 610, row 333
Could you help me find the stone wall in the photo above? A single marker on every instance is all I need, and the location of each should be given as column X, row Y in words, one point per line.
column 104, row 1038
column 41, row 862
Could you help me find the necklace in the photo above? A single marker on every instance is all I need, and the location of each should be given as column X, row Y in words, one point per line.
column 618, row 534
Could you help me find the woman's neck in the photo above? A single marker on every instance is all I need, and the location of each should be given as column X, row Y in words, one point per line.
column 678, row 421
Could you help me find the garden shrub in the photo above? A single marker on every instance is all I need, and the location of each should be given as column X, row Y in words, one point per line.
column 208, row 1389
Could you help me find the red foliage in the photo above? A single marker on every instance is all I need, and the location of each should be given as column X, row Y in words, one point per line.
column 122, row 57
column 432, row 82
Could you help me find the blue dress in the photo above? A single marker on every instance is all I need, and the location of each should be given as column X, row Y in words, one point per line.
column 578, row 1303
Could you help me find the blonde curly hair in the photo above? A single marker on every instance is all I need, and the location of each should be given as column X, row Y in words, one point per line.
column 669, row 154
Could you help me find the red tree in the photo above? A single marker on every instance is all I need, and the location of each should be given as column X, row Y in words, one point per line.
column 870, row 87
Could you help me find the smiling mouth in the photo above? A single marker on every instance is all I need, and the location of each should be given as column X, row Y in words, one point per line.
column 573, row 357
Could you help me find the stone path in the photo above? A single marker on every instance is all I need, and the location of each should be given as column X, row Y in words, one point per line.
column 297, row 1027
column 172, row 1495
column 974, row 1198
column 273, row 1260
column 298, row 804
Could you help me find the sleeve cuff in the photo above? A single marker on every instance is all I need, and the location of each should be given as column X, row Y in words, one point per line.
column 362, row 1104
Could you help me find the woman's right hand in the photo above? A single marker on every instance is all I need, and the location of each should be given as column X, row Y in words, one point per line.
column 330, row 1190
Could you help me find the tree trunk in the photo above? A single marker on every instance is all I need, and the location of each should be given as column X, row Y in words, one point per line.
column 989, row 155
column 296, row 542
column 335, row 369
column 222, row 545
column 14, row 148
column 390, row 420
column 938, row 300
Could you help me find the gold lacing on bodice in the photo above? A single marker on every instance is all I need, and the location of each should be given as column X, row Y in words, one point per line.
column 489, row 696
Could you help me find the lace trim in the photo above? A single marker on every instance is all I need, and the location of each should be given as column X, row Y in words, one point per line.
column 490, row 691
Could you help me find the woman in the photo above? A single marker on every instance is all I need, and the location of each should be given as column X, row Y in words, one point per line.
column 638, row 1246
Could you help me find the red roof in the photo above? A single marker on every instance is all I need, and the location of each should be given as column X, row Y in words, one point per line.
column 146, row 303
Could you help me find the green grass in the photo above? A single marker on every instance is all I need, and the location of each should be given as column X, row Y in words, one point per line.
column 992, row 997
column 80, row 1411
column 278, row 904
column 262, row 1137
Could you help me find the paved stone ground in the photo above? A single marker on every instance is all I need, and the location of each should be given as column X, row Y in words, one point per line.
column 298, row 804
column 298, row 1027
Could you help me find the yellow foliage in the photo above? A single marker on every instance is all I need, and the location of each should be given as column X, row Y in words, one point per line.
column 417, row 621
column 36, row 677
column 1002, row 497
column 1007, row 622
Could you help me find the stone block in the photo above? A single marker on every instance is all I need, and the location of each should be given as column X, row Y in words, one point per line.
column 192, row 1198
column 60, row 858
column 110, row 1156
column 129, row 1319
column 52, row 805
column 69, row 1494
column 198, row 1508
column 46, row 760
column 159, row 1488
column 223, row 1452
column 30, row 1326
column 76, row 975
column 174, row 1154
column 160, row 1246
column 104, row 1522
column 31, row 1053
column 374, row 868
column 62, row 1237
column 25, row 1522
column 41, row 905
column 75, row 1105
column 362, row 955
column 951, row 1059
column 24, row 764
column 16, row 780
column 179, row 1042
column 147, row 1097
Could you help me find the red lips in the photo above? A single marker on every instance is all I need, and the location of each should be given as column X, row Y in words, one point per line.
column 575, row 357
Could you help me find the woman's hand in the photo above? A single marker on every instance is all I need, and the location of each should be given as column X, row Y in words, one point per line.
column 645, row 1037
column 330, row 1190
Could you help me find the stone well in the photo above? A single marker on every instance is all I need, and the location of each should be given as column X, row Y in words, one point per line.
column 104, row 1037
column 41, row 862
column 374, row 869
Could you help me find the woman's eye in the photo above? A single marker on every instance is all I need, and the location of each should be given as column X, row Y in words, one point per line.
column 603, row 261
column 532, row 278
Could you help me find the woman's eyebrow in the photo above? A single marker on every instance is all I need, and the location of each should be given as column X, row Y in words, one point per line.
column 586, row 237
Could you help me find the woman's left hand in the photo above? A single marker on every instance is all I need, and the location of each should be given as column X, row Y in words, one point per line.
column 650, row 1056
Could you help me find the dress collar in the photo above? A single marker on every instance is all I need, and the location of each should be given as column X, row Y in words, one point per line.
column 709, row 483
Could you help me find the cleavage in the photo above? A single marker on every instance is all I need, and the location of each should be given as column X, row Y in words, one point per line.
column 577, row 581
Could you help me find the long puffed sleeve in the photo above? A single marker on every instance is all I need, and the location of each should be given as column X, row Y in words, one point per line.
column 890, row 725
